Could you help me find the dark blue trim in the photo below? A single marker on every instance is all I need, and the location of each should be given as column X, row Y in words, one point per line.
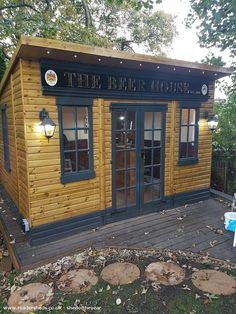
column 103, row 71
column 189, row 160
column 67, row 227
column 80, row 175
column 5, row 139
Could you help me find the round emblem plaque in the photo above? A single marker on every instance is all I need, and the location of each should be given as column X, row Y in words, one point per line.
column 51, row 77
column 204, row 89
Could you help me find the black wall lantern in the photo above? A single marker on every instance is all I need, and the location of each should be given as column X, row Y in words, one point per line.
column 212, row 121
column 47, row 124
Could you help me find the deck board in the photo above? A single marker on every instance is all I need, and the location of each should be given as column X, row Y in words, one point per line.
column 155, row 230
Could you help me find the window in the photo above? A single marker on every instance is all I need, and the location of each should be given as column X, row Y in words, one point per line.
column 6, row 155
column 75, row 118
column 188, row 140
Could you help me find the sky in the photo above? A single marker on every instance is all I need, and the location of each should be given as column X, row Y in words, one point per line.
column 185, row 45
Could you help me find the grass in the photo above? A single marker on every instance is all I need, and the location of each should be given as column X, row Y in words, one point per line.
column 138, row 297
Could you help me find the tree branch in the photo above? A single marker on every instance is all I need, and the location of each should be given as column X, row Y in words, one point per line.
column 15, row 6
column 88, row 18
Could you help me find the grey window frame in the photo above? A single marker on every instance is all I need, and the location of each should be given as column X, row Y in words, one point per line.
column 196, row 106
column 5, row 139
column 77, row 102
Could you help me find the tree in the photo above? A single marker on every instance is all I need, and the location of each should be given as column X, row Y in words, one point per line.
column 3, row 63
column 216, row 23
column 108, row 23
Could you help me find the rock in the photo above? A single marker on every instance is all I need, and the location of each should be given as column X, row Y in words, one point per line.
column 120, row 273
column 30, row 297
column 168, row 274
column 77, row 281
column 213, row 281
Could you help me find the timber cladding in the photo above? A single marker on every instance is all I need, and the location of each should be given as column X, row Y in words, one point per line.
column 35, row 162
column 34, row 181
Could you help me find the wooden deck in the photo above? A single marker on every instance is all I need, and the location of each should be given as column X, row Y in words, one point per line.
column 195, row 227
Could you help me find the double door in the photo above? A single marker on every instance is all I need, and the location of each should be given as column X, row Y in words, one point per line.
column 137, row 156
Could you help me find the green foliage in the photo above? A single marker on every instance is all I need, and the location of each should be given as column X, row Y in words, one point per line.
column 217, row 23
column 211, row 59
column 3, row 63
column 224, row 139
column 108, row 23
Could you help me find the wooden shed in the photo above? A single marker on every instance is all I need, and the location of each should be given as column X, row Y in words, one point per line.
column 131, row 135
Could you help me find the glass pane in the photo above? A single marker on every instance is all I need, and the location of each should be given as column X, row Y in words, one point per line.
column 148, row 117
column 68, row 117
column 147, row 193
column 157, row 138
column 156, row 156
column 148, row 138
column 120, row 159
column 131, row 177
column 82, row 117
column 191, row 134
column 82, row 136
column 69, row 139
column 70, row 162
column 83, row 160
column 157, row 120
column 131, row 120
column 120, row 179
column 184, row 130
column 156, row 192
column 192, row 116
column 120, row 199
column 156, row 174
column 191, row 149
column 184, row 118
column 183, row 150
column 131, row 197
column 131, row 158
column 147, row 175
column 120, row 120
column 147, row 157
column 130, row 139
column 120, row 140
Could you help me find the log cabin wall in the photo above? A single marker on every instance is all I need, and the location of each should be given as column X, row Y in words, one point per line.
column 15, row 181
column 50, row 200
column 196, row 176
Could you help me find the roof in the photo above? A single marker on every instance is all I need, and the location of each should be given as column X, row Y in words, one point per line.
column 36, row 48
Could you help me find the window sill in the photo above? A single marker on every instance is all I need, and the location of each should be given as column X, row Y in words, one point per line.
column 73, row 177
column 191, row 161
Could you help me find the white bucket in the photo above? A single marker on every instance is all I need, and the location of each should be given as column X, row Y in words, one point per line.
column 230, row 221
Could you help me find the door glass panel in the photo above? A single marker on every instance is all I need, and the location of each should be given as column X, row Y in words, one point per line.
column 130, row 139
column 120, row 179
column 131, row 121
column 120, row 199
column 131, row 197
column 120, row 140
column 191, row 133
column 120, row 120
column 147, row 193
column 192, row 116
column 70, row 162
column 156, row 192
column 131, row 177
column 82, row 117
column 83, row 160
column 191, row 149
column 147, row 175
column 120, row 159
column 82, row 136
column 131, row 158
column 184, row 117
